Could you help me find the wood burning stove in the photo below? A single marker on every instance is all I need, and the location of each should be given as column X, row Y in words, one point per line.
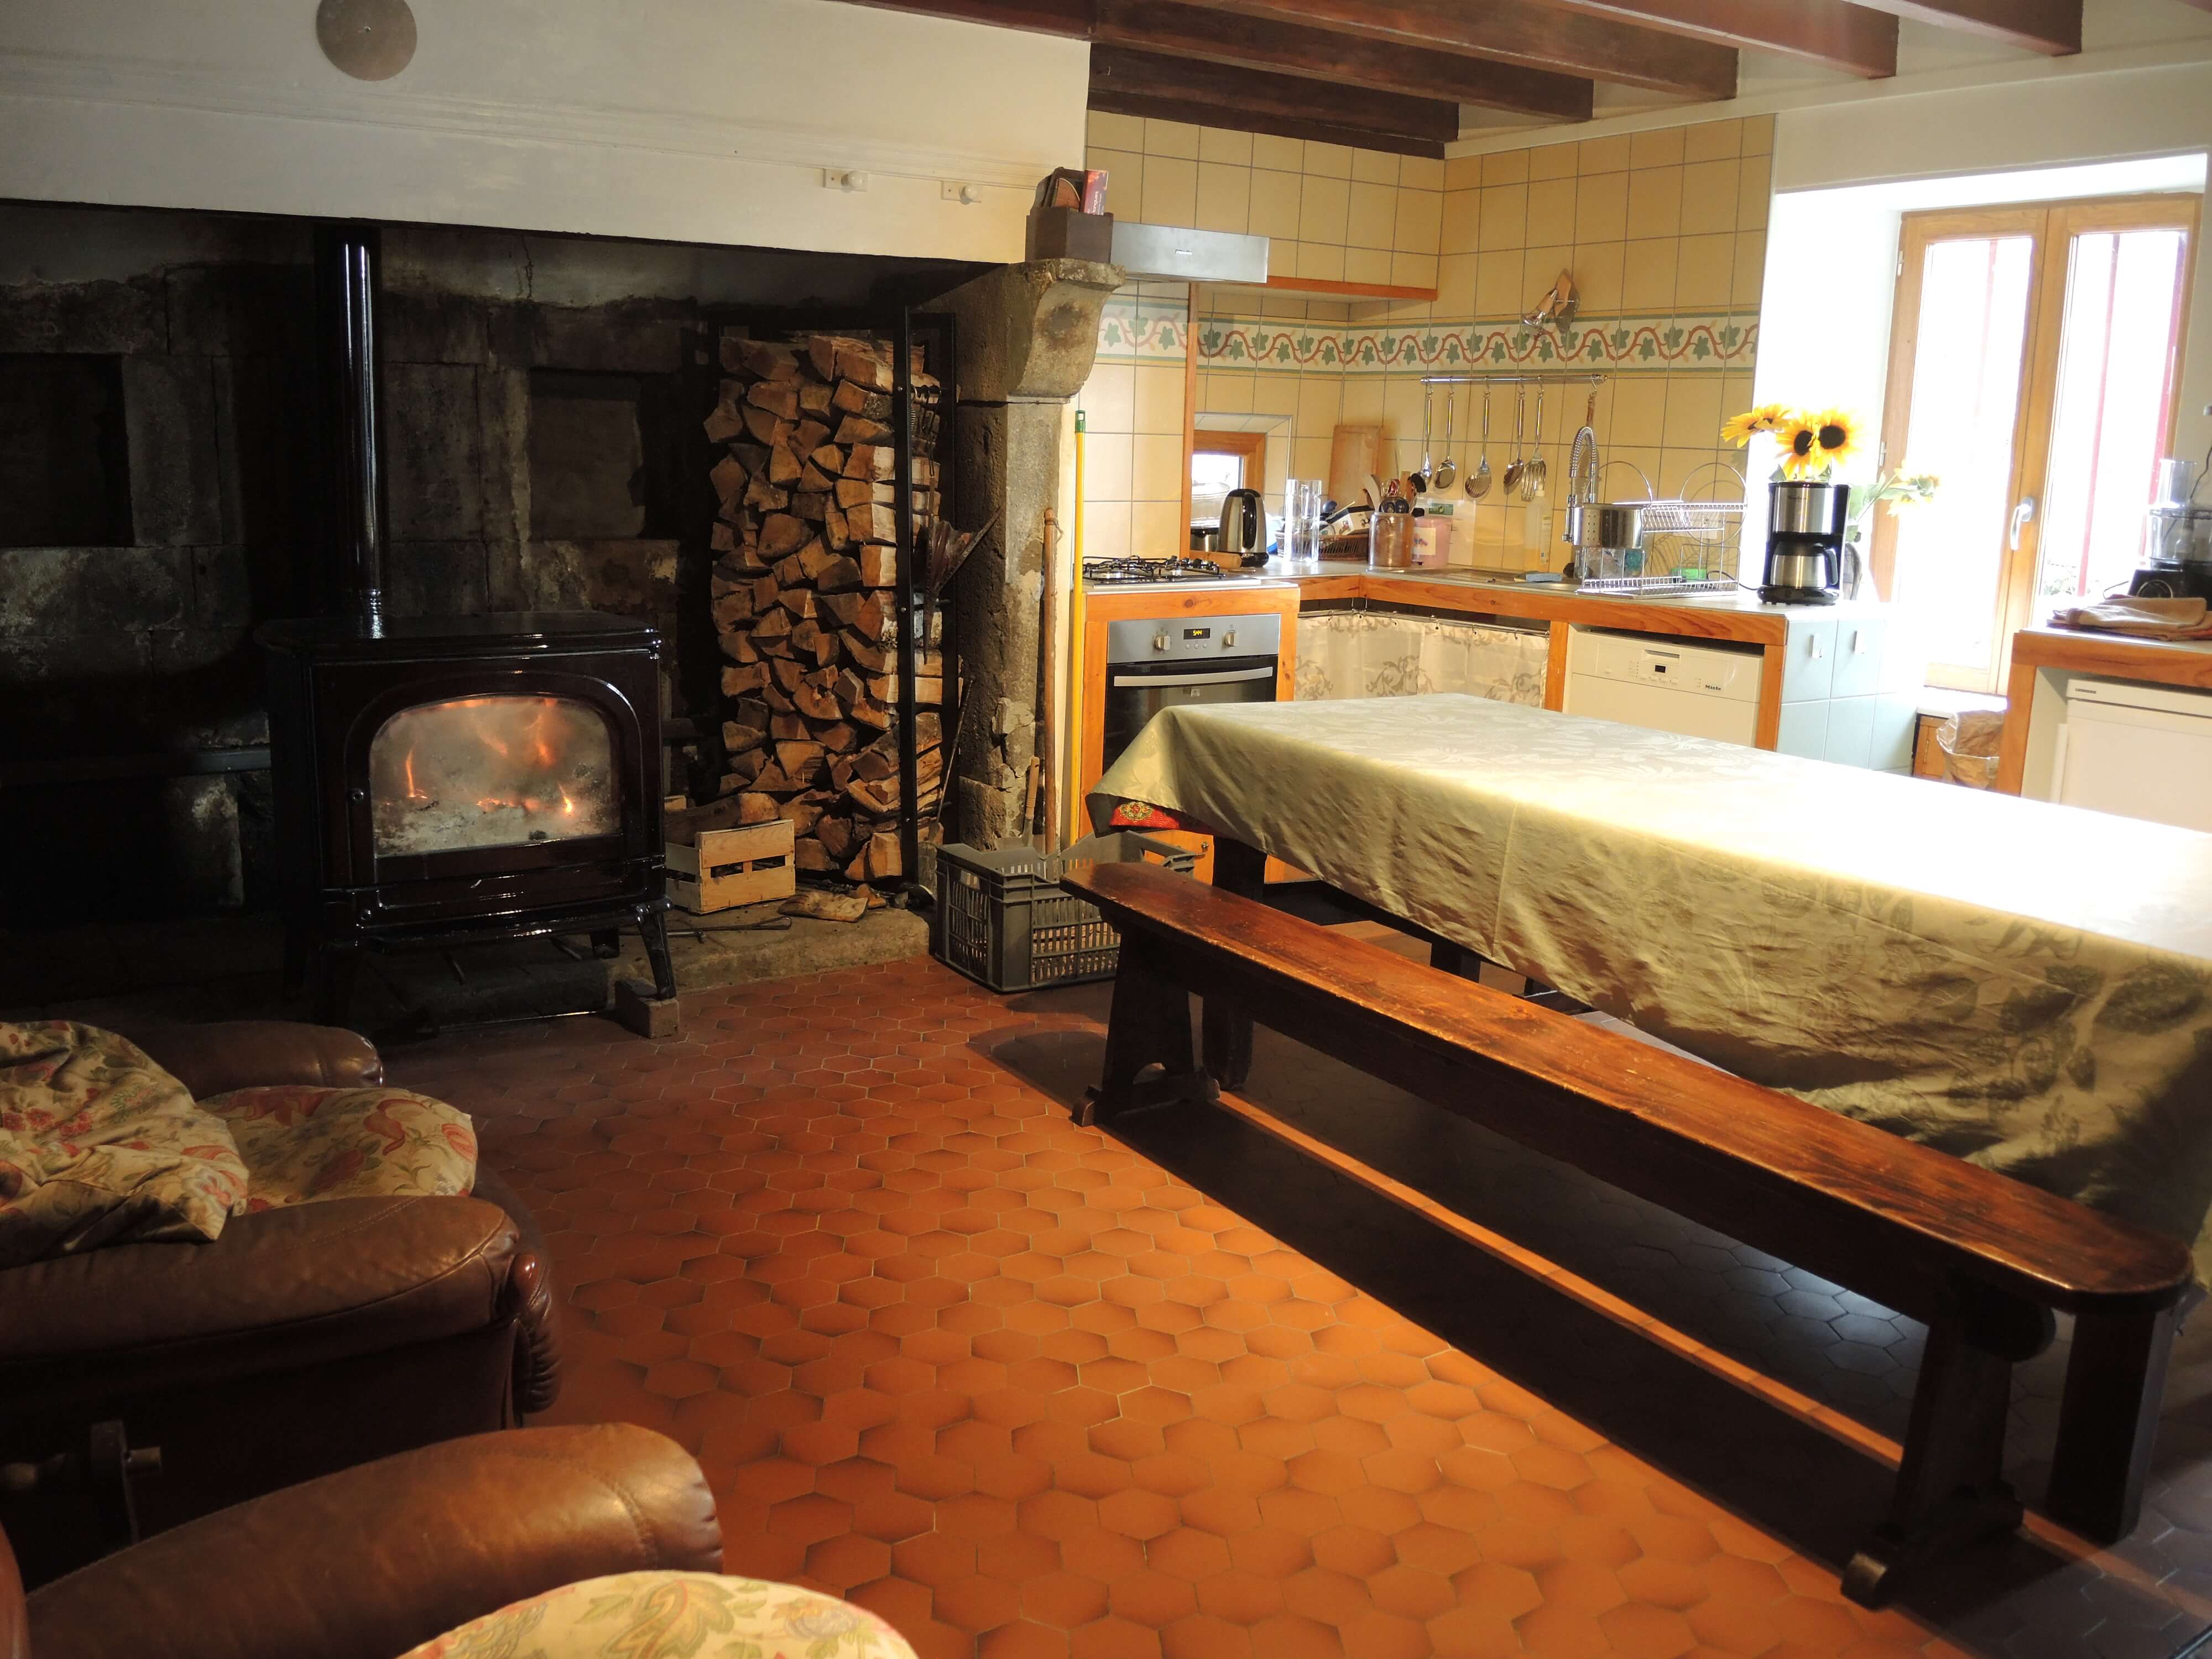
column 451, row 780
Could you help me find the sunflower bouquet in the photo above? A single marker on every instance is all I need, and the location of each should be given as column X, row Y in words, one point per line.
column 1814, row 442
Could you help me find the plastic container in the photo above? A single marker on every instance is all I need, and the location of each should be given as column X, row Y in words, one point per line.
column 1003, row 918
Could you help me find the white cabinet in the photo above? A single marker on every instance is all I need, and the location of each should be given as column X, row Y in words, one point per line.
column 1700, row 690
column 2143, row 752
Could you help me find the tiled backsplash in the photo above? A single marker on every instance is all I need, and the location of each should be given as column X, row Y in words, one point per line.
column 1664, row 233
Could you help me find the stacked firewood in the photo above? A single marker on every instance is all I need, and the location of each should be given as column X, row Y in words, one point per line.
column 803, row 599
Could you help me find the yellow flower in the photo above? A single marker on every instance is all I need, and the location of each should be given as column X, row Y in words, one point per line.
column 1835, row 434
column 1767, row 417
column 1801, row 456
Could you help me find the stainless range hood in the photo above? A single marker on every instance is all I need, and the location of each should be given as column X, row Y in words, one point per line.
column 1167, row 253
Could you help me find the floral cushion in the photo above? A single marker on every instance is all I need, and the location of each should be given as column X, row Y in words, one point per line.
column 672, row 1615
column 302, row 1142
column 99, row 1145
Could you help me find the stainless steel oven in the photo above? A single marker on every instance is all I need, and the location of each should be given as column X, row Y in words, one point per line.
column 1151, row 666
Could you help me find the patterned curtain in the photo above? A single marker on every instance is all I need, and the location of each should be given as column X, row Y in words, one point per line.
column 1357, row 653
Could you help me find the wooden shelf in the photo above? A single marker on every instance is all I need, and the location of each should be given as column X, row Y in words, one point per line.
column 1321, row 288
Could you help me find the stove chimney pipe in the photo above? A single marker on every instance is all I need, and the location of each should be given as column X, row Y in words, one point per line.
column 347, row 279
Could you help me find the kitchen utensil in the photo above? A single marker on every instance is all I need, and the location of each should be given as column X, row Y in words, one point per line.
column 1804, row 542
column 1375, row 492
column 1513, row 467
column 1302, row 519
column 1581, row 473
column 1418, row 481
column 1447, row 472
column 1478, row 483
column 1532, row 475
column 1243, row 526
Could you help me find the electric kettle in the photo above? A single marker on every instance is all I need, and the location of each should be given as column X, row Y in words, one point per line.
column 1244, row 527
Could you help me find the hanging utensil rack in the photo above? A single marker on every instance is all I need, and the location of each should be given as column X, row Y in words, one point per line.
column 1514, row 380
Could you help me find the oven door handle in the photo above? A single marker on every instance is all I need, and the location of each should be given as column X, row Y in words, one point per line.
column 1131, row 681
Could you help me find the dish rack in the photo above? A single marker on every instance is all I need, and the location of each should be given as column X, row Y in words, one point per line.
column 1691, row 542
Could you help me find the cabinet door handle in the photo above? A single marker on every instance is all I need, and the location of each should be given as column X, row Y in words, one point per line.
column 1812, row 648
column 1858, row 641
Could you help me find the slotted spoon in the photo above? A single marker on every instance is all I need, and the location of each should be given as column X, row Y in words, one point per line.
column 1447, row 472
column 1513, row 467
column 1478, row 481
column 1532, row 475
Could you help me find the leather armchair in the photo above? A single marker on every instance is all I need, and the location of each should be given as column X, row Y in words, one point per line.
column 302, row 1341
column 367, row 1563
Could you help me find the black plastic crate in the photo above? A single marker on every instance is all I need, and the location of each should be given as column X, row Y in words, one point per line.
column 1004, row 919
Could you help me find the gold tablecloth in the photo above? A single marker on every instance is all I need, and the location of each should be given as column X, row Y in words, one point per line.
column 2023, row 985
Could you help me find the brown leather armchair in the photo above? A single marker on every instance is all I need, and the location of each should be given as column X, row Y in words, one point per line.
column 369, row 1563
column 301, row 1342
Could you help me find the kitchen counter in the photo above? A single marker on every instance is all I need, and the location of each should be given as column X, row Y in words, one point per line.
column 2044, row 659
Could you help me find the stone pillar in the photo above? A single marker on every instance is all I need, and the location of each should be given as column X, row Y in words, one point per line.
column 1027, row 334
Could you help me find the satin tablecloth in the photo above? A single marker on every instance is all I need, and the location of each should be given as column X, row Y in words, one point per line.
column 2023, row 985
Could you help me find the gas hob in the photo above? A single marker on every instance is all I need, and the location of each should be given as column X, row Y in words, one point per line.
column 1127, row 572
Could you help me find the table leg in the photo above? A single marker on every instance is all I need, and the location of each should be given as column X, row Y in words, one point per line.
column 1226, row 1033
column 2108, row 1421
column 1149, row 1025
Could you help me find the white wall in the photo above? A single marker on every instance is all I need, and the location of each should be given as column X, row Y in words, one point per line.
column 687, row 120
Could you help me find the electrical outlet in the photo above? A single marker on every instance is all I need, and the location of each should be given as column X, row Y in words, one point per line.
column 959, row 191
column 844, row 178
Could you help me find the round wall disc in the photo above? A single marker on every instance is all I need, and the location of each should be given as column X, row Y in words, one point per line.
column 369, row 39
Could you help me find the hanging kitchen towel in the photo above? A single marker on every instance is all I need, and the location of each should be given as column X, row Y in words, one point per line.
column 2148, row 619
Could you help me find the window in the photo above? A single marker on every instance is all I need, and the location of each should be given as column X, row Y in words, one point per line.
column 1221, row 462
column 2033, row 363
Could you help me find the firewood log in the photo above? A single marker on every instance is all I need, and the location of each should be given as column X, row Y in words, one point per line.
column 800, row 602
column 743, row 769
column 725, row 423
column 883, row 859
column 765, row 497
column 871, row 522
column 801, row 760
column 812, row 505
column 816, row 703
column 811, row 856
column 776, row 697
column 804, row 813
column 728, row 477
column 773, row 625
column 867, row 656
column 765, row 358
column 878, row 565
column 807, row 437
column 865, row 712
column 772, row 781
column 838, row 737
column 787, row 727
column 782, row 465
column 733, row 608
column 814, row 398
column 781, row 534
column 838, row 835
column 871, row 461
column 852, row 399
column 736, row 679
column 859, row 429
column 764, row 426
column 812, row 478
column 861, row 366
column 740, row 647
column 737, row 736
column 779, row 397
column 834, row 533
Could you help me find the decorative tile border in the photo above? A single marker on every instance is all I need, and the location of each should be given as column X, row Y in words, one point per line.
column 1142, row 331
column 1712, row 341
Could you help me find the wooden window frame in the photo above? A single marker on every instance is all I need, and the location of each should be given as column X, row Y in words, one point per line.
column 1251, row 445
column 2052, row 226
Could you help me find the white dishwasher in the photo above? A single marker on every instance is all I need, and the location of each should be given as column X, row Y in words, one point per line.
column 2139, row 750
column 1700, row 690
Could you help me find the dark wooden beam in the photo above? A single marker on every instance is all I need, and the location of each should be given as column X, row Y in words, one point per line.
column 1256, row 101
column 1855, row 39
column 1219, row 37
column 2052, row 27
column 1070, row 18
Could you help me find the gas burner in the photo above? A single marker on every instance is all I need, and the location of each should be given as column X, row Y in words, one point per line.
column 1105, row 573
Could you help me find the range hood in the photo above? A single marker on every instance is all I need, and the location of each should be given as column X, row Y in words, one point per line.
column 1171, row 254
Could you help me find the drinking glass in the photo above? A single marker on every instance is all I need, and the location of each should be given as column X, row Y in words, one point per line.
column 1302, row 499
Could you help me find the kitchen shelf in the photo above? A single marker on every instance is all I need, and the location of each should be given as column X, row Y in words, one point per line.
column 1321, row 288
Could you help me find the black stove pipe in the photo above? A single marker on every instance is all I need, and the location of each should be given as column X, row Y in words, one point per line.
column 351, row 391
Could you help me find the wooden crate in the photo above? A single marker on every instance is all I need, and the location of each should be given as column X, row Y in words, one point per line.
column 727, row 867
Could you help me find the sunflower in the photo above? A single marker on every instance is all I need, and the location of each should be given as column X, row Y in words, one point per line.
column 1767, row 417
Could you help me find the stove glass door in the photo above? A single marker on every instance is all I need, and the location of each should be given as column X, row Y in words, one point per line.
column 497, row 771
column 1136, row 692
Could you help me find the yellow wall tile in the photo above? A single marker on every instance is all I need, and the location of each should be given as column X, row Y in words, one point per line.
column 1175, row 138
column 1157, row 475
column 1274, row 394
column 1497, row 285
column 1601, row 208
column 1705, row 275
column 1218, row 144
column 1327, row 160
column 1170, row 191
column 1157, row 404
column 1320, row 399
column 1413, row 271
column 1755, row 192
column 1655, row 202
column 1552, row 211
column 1105, row 524
column 1108, row 398
column 1274, row 203
column 1455, row 285
column 1554, row 161
column 1284, row 155
column 1310, row 458
column 1374, row 167
column 1322, row 260
column 1541, row 268
column 1324, row 204
column 1505, row 217
column 1373, row 215
column 1712, row 141
column 1659, row 149
column 1224, row 197
column 1103, row 130
column 1367, row 265
column 1602, row 155
column 1505, row 166
column 1420, row 172
column 1709, row 196
column 1638, row 409
column 1597, row 268
column 1154, row 532
column 1106, row 462
column 1125, row 179
column 1420, row 222
column 1460, row 232
column 1363, row 400
column 1693, row 411
column 1463, row 173
column 1647, row 275
column 1759, row 134
column 1225, row 394
column 1750, row 283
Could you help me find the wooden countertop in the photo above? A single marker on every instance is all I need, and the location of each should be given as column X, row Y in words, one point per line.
column 2082, row 651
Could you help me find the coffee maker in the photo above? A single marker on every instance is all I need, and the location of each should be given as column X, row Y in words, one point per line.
column 1805, row 527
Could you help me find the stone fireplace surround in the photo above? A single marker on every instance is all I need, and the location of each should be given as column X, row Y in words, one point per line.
column 543, row 396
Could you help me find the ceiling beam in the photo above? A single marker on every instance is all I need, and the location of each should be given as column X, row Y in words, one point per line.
column 1070, row 18
column 1855, row 39
column 2050, row 26
column 1217, row 37
column 1142, row 83
column 1532, row 35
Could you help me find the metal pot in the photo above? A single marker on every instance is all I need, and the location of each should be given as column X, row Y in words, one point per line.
column 1618, row 525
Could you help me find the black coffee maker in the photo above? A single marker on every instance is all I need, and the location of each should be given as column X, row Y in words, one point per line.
column 1805, row 528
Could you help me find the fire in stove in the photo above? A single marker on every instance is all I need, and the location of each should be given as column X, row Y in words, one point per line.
column 491, row 772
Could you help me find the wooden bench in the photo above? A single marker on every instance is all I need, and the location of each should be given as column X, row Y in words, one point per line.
column 1982, row 1260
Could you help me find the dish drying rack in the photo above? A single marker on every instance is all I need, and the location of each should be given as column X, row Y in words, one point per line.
column 1691, row 542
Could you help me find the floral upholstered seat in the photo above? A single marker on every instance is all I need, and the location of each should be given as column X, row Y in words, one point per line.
column 301, row 1143
column 672, row 1615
